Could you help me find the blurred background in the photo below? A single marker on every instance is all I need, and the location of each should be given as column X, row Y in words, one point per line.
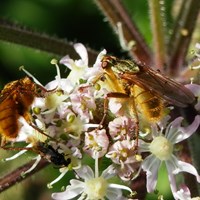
column 76, row 21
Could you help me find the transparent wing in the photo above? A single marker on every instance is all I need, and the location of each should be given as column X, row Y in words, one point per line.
column 162, row 86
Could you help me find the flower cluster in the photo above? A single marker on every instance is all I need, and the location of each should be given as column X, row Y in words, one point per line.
column 81, row 124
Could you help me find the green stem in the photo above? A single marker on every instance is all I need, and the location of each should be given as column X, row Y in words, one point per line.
column 11, row 32
column 181, row 36
column 157, row 24
column 115, row 12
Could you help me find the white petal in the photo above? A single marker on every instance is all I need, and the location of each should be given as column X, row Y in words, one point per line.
column 194, row 88
column 151, row 165
column 175, row 133
column 85, row 172
column 174, row 166
column 172, row 181
column 183, row 193
column 67, row 61
column 172, row 129
column 113, row 194
column 82, row 51
column 143, row 146
column 73, row 190
column 186, row 167
column 189, row 130
column 109, row 172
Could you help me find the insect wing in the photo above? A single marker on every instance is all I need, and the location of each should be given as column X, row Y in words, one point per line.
column 161, row 85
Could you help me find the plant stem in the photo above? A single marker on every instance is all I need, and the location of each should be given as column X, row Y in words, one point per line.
column 157, row 24
column 181, row 36
column 15, row 177
column 115, row 12
column 14, row 33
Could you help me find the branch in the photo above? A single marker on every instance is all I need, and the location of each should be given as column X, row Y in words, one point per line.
column 14, row 33
column 15, row 177
column 115, row 12
column 157, row 27
column 182, row 34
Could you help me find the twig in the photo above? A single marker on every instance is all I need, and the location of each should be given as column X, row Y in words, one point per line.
column 14, row 33
column 15, row 176
column 115, row 12
column 182, row 34
column 157, row 27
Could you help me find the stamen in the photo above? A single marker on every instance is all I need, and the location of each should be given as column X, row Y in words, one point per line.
column 38, row 158
column 30, row 75
column 49, row 185
column 194, row 67
column 96, row 165
column 55, row 62
column 17, row 154
column 124, row 44
column 113, row 185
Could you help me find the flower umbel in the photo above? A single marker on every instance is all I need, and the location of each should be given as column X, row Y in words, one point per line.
column 161, row 149
column 81, row 119
column 94, row 186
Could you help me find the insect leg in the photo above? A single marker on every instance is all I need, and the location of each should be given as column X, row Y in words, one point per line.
column 111, row 95
column 136, row 121
column 40, row 131
column 29, row 120
column 17, row 148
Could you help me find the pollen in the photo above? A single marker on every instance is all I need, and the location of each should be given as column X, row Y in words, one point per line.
column 96, row 188
column 161, row 148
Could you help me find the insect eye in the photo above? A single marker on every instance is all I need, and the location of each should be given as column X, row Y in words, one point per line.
column 104, row 64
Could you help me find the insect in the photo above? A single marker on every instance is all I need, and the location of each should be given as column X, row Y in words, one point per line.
column 146, row 88
column 47, row 152
column 15, row 100
column 52, row 155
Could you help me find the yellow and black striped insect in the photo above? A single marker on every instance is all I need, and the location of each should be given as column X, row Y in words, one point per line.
column 146, row 88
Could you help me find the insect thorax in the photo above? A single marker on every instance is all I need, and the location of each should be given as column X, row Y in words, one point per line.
column 125, row 66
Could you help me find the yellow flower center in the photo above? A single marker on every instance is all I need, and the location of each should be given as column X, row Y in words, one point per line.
column 161, row 148
column 96, row 188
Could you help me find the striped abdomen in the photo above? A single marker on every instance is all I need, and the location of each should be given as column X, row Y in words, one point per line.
column 150, row 106
column 9, row 119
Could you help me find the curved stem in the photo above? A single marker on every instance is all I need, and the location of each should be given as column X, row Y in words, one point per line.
column 15, row 176
column 115, row 12
column 180, row 40
column 14, row 33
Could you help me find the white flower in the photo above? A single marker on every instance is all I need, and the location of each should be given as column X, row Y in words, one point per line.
column 94, row 186
column 96, row 141
column 196, row 91
column 123, row 153
column 78, row 67
column 184, row 194
column 122, row 128
column 161, row 149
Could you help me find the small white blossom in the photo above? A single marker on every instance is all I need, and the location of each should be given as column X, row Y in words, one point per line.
column 78, row 67
column 94, row 186
column 161, row 149
column 96, row 141
column 184, row 194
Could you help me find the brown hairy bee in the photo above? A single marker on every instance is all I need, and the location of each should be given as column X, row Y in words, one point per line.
column 146, row 88
column 15, row 100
